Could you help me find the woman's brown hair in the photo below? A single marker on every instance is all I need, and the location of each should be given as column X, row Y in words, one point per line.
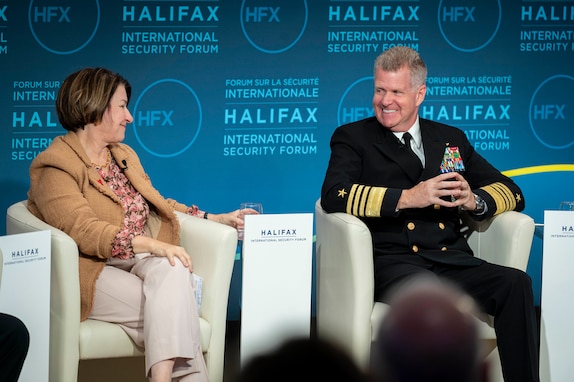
column 85, row 95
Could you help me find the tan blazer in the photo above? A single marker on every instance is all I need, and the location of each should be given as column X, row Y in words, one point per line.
column 67, row 193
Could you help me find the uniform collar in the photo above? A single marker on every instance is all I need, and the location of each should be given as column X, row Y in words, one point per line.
column 415, row 132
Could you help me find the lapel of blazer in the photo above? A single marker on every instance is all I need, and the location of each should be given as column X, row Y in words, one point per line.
column 136, row 176
column 72, row 141
column 98, row 182
column 388, row 145
column 434, row 144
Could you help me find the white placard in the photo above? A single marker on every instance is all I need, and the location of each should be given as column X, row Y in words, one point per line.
column 25, row 293
column 557, row 305
column 277, row 272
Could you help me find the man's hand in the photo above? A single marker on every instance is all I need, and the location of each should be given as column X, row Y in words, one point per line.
column 447, row 190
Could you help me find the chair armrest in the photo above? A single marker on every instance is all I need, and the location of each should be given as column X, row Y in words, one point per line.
column 505, row 239
column 345, row 284
column 212, row 247
column 64, row 299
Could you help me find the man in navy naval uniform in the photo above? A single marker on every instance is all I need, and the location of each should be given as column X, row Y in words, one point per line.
column 409, row 179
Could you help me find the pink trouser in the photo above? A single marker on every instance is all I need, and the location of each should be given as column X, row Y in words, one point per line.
column 154, row 303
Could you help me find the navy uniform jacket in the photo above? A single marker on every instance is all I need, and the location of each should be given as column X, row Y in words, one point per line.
column 369, row 168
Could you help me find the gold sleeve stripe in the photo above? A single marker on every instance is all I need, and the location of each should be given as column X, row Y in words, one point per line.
column 361, row 190
column 365, row 201
column 375, row 202
column 507, row 196
column 351, row 200
column 503, row 197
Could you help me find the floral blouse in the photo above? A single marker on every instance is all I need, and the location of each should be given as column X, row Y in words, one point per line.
column 136, row 210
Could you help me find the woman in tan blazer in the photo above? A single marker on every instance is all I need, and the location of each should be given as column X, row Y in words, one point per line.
column 132, row 269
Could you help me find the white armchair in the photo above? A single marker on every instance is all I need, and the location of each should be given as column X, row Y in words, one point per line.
column 212, row 247
column 346, row 314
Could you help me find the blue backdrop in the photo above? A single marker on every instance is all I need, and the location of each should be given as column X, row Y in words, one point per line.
column 235, row 101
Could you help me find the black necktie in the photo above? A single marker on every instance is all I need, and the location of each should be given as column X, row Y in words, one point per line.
column 407, row 138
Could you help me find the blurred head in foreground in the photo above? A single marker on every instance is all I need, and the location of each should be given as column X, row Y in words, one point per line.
column 302, row 359
column 429, row 334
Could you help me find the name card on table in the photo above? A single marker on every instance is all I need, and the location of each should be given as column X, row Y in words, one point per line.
column 277, row 272
column 25, row 293
column 557, row 305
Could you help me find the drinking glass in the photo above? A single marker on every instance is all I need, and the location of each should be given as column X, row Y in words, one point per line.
column 567, row 206
column 258, row 207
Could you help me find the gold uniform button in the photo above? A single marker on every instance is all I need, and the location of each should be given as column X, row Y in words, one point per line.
column 443, row 249
column 436, row 207
column 411, row 226
column 441, row 225
column 415, row 249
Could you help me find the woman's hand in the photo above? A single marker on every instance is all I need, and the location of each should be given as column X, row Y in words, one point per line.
column 158, row 248
column 233, row 218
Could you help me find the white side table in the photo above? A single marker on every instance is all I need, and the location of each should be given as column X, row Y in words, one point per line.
column 557, row 305
column 276, row 281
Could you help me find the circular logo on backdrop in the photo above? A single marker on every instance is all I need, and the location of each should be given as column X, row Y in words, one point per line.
column 469, row 25
column 355, row 104
column 273, row 26
column 63, row 27
column 551, row 114
column 163, row 127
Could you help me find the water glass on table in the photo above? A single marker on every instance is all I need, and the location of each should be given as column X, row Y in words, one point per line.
column 248, row 208
column 567, row 206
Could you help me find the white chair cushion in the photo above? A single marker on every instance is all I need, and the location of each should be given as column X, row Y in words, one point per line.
column 100, row 339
